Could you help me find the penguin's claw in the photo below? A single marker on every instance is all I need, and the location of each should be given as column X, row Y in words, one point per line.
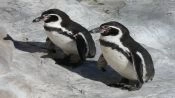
column 103, row 69
column 129, row 87
column 120, row 85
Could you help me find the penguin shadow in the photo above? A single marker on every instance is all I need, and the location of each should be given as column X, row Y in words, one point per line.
column 31, row 47
column 87, row 69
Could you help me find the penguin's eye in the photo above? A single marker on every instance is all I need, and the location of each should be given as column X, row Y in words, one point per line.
column 113, row 32
column 51, row 18
column 104, row 27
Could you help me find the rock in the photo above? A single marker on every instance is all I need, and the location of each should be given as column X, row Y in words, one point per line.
column 6, row 54
column 6, row 94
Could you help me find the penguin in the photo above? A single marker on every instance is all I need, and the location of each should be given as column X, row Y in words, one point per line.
column 72, row 38
column 126, row 56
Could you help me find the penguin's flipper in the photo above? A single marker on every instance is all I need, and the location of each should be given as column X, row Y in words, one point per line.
column 137, row 66
column 81, row 46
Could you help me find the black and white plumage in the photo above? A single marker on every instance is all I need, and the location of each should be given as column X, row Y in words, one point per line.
column 75, row 41
column 125, row 55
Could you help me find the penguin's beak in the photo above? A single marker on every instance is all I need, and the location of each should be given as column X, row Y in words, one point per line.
column 38, row 19
column 101, row 29
column 95, row 30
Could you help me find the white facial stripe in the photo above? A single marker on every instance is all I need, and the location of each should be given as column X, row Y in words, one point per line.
column 115, row 28
column 54, row 14
column 85, row 42
column 143, row 63
column 116, row 39
column 57, row 24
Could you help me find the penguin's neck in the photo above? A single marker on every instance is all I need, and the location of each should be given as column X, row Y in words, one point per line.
column 115, row 40
column 57, row 25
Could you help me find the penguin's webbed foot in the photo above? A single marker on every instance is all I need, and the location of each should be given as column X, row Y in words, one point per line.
column 102, row 63
column 133, row 85
column 67, row 61
column 103, row 69
column 64, row 61
column 126, row 84
column 130, row 87
column 119, row 85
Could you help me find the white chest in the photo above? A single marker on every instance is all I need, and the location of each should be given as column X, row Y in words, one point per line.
column 65, row 43
column 119, row 63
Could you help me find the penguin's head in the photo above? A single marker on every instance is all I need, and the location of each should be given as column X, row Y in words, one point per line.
column 113, row 29
column 53, row 17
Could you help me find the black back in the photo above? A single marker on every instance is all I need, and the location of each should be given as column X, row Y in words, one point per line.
column 136, row 47
column 76, row 28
